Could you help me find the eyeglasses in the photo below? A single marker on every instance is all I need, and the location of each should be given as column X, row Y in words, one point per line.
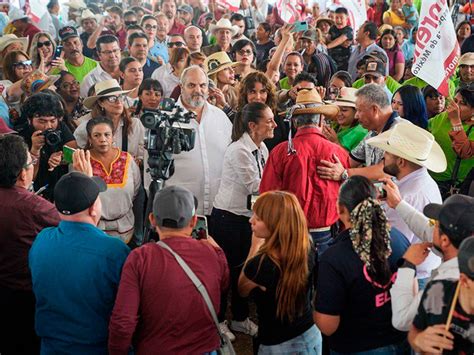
column 22, row 65
column 33, row 161
column 67, row 85
column 114, row 99
column 176, row 44
column 151, row 27
column 245, row 52
column 45, row 43
column 108, row 53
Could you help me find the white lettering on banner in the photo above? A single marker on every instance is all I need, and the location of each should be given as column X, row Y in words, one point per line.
column 357, row 11
column 436, row 48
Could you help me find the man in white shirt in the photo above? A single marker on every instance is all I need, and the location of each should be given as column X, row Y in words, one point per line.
column 409, row 152
column 200, row 169
column 108, row 50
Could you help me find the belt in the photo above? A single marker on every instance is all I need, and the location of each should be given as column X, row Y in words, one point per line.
column 322, row 229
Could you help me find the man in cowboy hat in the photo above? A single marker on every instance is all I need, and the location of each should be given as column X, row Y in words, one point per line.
column 224, row 31
column 22, row 24
column 89, row 22
column 75, row 8
column 292, row 166
column 410, row 152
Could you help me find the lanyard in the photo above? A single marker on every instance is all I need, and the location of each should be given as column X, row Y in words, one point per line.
column 261, row 162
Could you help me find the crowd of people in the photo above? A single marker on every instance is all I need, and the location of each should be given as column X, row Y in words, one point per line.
column 310, row 173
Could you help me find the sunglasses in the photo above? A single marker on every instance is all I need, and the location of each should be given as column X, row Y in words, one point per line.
column 45, row 43
column 22, row 65
column 151, row 27
column 128, row 23
column 245, row 52
column 176, row 44
column 115, row 98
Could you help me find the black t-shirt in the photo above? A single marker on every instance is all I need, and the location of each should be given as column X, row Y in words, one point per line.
column 263, row 51
column 344, row 289
column 341, row 54
column 271, row 330
column 434, row 309
column 45, row 177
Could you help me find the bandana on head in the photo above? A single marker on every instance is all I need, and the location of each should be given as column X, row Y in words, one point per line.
column 362, row 219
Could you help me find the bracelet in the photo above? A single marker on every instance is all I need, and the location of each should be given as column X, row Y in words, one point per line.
column 457, row 128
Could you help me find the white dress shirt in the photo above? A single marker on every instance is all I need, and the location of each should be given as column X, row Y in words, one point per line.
column 200, row 169
column 96, row 75
column 167, row 79
column 241, row 175
column 418, row 189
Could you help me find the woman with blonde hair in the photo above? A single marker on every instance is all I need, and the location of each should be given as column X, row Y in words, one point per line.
column 42, row 51
column 279, row 274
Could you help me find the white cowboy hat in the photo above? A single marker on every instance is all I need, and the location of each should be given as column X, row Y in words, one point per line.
column 16, row 14
column 224, row 23
column 88, row 14
column 6, row 40
column 218, row 61
column 412, row 143
column 346, row 97
column 103, row 89
column 76, row 4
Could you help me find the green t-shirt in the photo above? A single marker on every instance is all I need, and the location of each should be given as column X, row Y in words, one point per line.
column 284, row 84
column 80, row 72
column 420, row 84
column 391, row 83
column 440, row 127
column 350, row 137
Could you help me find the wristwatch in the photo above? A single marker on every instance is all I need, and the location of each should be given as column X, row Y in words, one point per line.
column 344, row 175
column 457, row 128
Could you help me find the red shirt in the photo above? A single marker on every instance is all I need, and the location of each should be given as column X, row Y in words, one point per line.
column 22, row 216
column 29, row 32
column 177, row 28
column 296, row 173
column 122, row 37
column 160, row 306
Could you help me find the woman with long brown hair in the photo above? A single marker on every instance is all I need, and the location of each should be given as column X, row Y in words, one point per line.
column 279, row 274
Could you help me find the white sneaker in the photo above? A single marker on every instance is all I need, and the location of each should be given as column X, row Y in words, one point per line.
column 225, row 330
column 246, row 327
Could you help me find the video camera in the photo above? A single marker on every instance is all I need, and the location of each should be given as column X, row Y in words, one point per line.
column 165, row 137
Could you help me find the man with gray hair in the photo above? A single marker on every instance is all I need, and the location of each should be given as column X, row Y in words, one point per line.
column 374, row 112
column 193, row 38
column 200, row 169
column 292, row 165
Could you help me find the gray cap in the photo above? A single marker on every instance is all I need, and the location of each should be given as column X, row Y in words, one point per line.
column 466, row 257
column 174, row 207
column 186, row 8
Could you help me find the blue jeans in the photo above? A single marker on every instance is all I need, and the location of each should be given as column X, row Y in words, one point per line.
column 394, row 349
column 310, row 342
column 322, row 241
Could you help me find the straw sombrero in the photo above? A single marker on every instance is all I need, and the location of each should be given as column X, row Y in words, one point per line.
column 37, row 81
column 412, row 143
column 218, row 61
column 103, row 89
column 8, row 39
column 224, row 23
column 312, row 102
column 346, row 98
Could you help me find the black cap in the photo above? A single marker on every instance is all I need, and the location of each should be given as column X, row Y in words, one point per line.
column 67, row 32
column 76, row 192
column 174, row 207
column 466, row 257
column 456, row 215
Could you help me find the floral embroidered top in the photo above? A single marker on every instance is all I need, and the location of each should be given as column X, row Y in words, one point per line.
column 123, row 181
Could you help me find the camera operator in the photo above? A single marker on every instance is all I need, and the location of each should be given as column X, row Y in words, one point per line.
column 46, row 134
column 200, row 169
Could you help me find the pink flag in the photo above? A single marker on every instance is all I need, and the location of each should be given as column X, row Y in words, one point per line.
column 436, row 48
column 232, row 5
column 289, row 10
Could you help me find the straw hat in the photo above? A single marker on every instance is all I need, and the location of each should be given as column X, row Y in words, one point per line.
column 412, row 143
column 37, row 81
column 383, row 28
column 224, row 23
column 218, row 61
column 103, row 89
column 313, row 104
column 88, row 14
column 6, row 40
column 324, row 19
column 467, row 59
column 76, row 4
column 346, row 98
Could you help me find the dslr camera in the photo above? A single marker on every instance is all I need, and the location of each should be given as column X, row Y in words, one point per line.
column 53, row 140
column 166, row 137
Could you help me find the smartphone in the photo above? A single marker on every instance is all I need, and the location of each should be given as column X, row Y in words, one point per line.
column 381, row 193
column 200, row 229
column 251, row 200
column 300, row 26
column 67, row 154
column 57, row 52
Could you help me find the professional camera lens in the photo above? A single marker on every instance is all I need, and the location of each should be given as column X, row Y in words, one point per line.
column 52, row 137
column 150, row 120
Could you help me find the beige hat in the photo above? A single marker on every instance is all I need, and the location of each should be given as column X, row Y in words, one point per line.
column 467, row 59
column 37, row 81
column 313, row 104
column 6, row 40
column 383, row 28
column 103, row 89
column 218, row 61
column 324, row 19
column 346, row 98
column 76, row 4
column 88, row 14
column 412, row 143
column 16, row 14
column 224, row 23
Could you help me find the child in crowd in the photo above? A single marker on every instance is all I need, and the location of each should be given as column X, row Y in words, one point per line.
column 410, row 13
column 341, row 35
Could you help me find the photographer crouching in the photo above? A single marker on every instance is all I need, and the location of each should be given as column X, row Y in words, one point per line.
column 46, row 134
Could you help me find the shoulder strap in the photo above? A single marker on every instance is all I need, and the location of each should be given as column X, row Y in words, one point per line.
column 125, row 137
column 200, row 287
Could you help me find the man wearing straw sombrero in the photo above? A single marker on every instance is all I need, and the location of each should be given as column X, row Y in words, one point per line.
column 223, row 31
column 292, row 166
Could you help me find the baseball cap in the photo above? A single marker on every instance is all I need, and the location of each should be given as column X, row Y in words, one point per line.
column 174, row 207
column 67, row 32
column 186, row 8
column 456, row 215
column 466, row 257
column 374, row 67
column 312, row 35
column 76, row 192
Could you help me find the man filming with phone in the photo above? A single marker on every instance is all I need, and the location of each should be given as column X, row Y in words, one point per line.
column 152, row 280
